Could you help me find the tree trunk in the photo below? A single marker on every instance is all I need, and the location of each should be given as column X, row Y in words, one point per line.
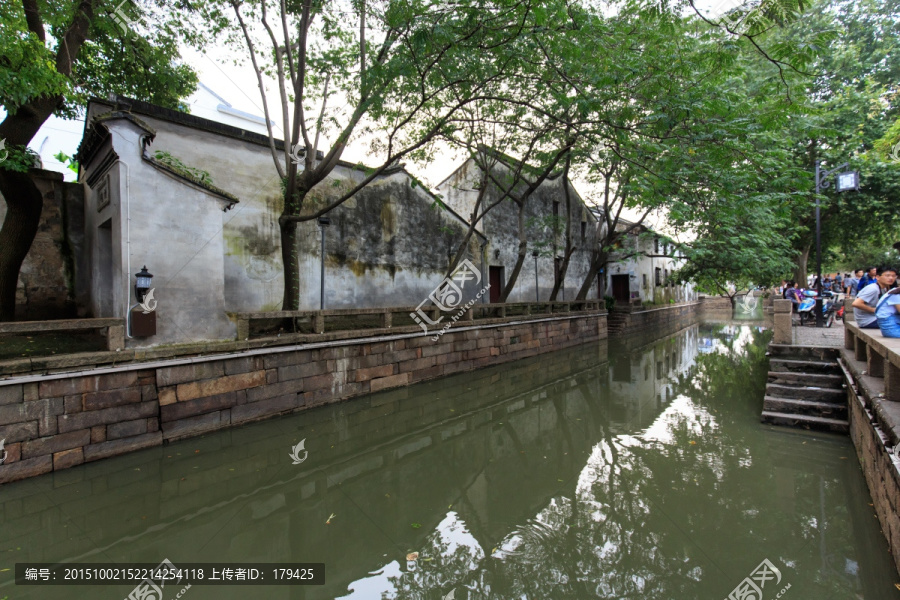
column 598, row 260
column 289, row 257
column 800, row 271
column 23, row 215
column 562, row 272
column 520, row 259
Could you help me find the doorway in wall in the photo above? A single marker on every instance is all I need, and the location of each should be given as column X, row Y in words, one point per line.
column 496, row 277
column 620, row 289
column 104, row 289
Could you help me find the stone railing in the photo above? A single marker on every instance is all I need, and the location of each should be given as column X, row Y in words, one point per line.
column 881, row 355
column 398, row 319
column 783, row 332
column 112, row 328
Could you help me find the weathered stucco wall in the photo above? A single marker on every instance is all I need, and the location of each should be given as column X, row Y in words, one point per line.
column 386, row 246
column 53, row 281
column 58, row 423
column 501, row 226
column 156, row 219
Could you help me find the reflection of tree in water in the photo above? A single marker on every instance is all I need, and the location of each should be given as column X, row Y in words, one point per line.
column 681, row 510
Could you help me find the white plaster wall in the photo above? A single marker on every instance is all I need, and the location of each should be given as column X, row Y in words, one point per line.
column 176, row 230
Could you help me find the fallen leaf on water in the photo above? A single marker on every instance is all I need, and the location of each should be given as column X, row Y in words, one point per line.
column 328, row 522
column 412, row 556
column 693, row 443
column 415, row 525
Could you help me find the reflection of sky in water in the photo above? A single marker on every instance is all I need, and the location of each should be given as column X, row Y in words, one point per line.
column 450, row 539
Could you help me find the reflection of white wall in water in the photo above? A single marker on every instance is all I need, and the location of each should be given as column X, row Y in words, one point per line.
column 642, row 383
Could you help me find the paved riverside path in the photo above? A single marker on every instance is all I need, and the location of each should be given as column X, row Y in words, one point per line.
column 820, row 336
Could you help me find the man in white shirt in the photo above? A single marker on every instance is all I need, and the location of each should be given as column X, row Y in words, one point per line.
column 867, row 298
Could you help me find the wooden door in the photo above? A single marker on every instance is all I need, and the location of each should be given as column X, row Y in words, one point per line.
column 620, row 288
column 496, row 275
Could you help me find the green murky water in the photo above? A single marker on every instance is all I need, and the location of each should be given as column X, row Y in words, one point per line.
column 633, row 470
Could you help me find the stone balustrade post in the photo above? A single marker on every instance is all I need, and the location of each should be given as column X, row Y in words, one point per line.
column 891, row 381
column 319, row 323
column 848, row 310
column 784, row 333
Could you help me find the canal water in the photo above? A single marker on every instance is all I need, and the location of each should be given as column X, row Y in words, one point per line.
column 634, row 469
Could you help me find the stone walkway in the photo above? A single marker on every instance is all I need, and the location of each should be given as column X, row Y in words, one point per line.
column 815, row 336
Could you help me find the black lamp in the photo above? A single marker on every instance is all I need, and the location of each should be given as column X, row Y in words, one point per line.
column 142, row 283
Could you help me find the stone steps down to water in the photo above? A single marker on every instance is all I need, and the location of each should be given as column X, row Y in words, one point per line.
column 805, row 389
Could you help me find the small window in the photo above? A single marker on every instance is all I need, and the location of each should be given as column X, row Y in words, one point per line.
column 583, row 230
column 656, row 247
column 646, row 282
column 555, row 209
column 658, row 276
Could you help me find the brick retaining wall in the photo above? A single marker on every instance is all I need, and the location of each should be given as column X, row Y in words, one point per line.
column 642, row 320
column 879, row 469
column 54, row 423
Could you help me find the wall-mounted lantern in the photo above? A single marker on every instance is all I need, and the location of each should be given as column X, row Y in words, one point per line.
column 142, row 315
column 142, row 282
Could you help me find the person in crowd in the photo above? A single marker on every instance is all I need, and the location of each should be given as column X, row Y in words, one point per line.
column 867, row 279
column 851, row 282
column 888, row 314
column 838, row 284
column 790, row 293
column 867, row 299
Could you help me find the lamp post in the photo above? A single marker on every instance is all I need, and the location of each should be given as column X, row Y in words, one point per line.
column 845, row 181
column 536, row 296
column 323, row 223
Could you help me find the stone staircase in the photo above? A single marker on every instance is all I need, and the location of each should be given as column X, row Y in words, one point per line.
column 805, row 389
column 617, row 319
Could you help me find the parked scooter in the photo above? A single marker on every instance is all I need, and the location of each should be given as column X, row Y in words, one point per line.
column 807, row 315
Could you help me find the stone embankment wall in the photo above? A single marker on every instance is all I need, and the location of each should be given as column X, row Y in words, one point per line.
column 643, row 320
column 871, row 366
column 58, row 421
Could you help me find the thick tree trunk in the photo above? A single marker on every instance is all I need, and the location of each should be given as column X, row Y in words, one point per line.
column 289, row 257
column 23, row 215
column 800, row 270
